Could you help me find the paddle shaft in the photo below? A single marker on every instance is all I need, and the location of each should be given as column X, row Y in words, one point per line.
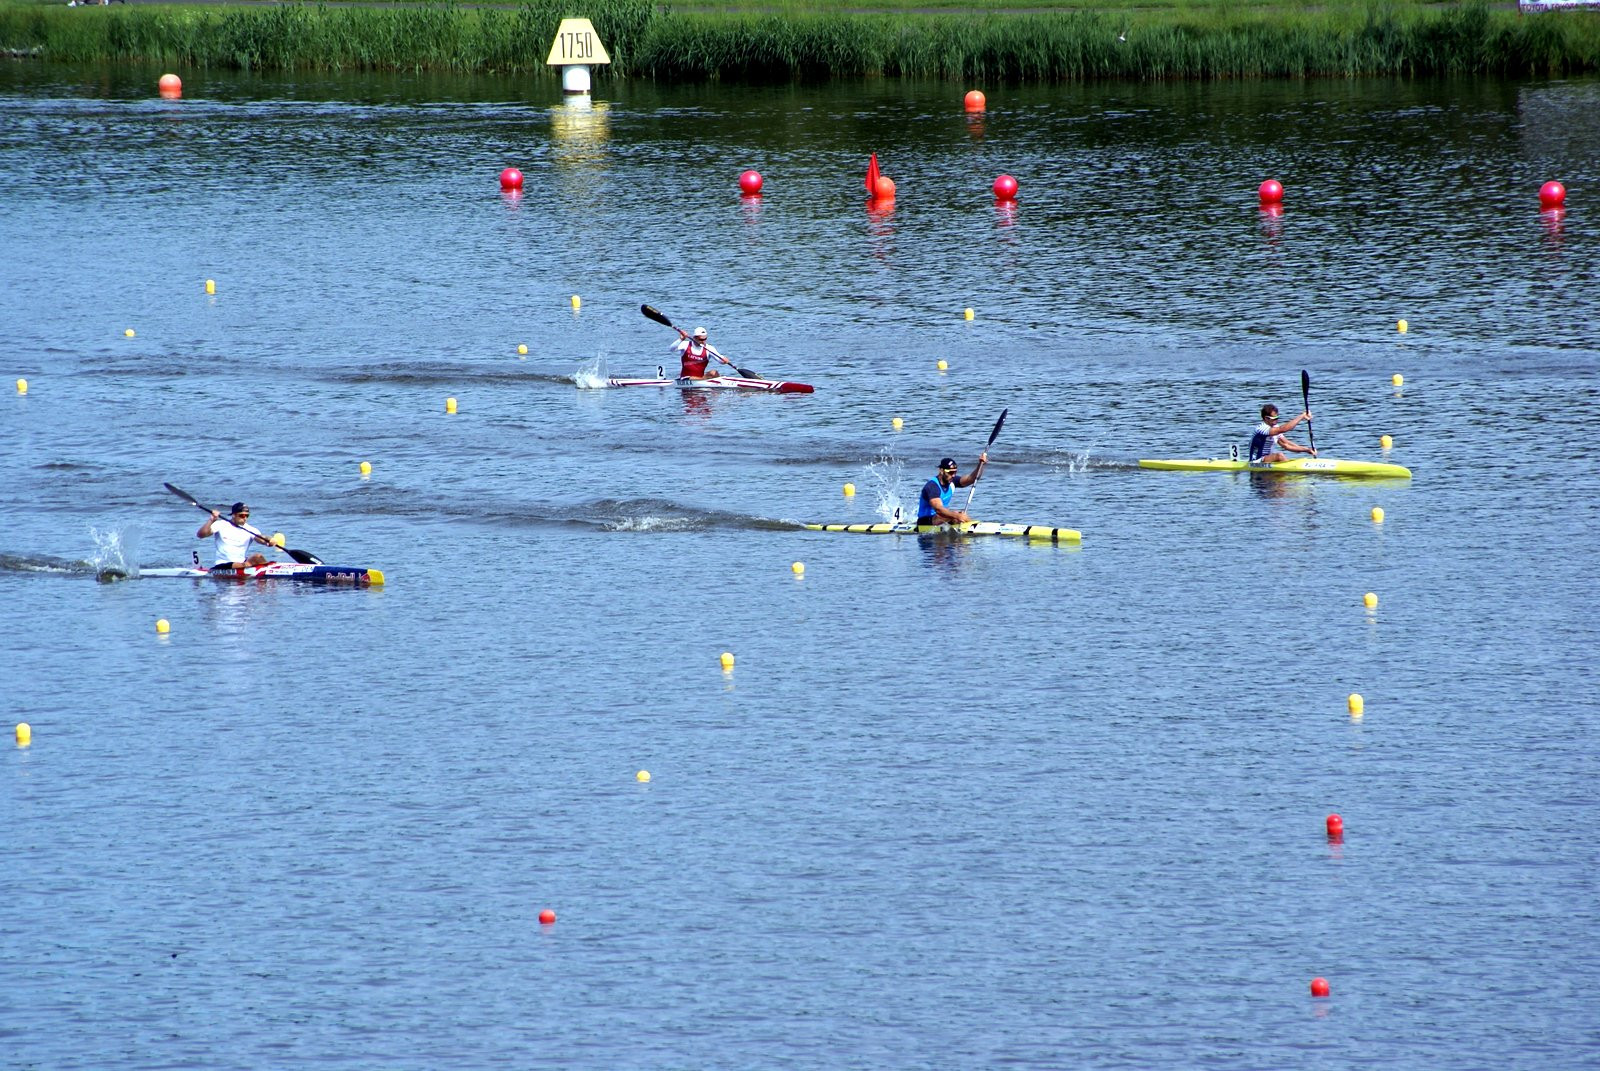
column 993, row 435
column 302, row 556
column 1305, row 398
column 661, row 318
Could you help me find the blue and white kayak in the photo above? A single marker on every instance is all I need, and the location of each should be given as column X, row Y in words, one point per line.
column 316, row 574
column 971, row 528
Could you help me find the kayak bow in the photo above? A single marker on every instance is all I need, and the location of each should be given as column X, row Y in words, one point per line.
column 971, row 528
column 1307, row 466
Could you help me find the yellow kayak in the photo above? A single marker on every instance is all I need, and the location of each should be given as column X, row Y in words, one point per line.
column 1304, row 466
column 972, row 528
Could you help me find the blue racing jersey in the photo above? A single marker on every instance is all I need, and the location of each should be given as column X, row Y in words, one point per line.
column 930, row 491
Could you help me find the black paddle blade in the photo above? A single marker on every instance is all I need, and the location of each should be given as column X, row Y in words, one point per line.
column 746, row 373
column 995, row 434
column 1305, row 397
column 656, row 315
column 301, row 556
column 186, row 496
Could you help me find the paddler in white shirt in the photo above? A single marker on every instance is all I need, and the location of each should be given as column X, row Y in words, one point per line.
column 233, row 537
column 696, row 353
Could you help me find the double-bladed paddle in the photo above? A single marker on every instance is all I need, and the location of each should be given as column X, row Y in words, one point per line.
column 993, row 435
column 661, row 318
column 1305, row 397
column 301, row 556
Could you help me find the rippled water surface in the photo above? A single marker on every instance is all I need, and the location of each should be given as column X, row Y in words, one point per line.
column 958, row 804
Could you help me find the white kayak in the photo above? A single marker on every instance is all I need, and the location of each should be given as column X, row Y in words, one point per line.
column 772, row 386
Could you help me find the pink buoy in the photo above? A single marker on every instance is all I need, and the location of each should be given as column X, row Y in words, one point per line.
column 883, row 189
column 750, row 182
column 1271, row 192
column 170, row 83
column 1005, row 188
column 975, row 101
column 511, row 179
column 1552, row 194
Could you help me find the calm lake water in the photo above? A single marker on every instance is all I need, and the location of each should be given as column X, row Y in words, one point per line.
column 958, row 804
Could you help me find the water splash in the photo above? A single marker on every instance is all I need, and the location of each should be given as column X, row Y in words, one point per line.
column 592, row 375
column 883, row 480
column 115, row 554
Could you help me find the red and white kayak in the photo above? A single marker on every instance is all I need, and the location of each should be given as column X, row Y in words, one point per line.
column 317, row 574
column 772, row 386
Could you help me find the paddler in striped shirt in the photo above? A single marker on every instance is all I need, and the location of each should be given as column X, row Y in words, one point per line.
column 1268, row 444
column 933, row 506
column 696, row 353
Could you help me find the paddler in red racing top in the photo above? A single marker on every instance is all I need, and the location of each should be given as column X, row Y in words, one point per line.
column 233, row 537
column 933, row 507
column 696, row 353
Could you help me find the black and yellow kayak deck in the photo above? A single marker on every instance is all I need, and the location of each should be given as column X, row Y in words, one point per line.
column 973, row 528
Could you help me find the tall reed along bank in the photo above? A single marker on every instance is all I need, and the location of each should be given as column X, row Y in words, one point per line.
column 979, row 42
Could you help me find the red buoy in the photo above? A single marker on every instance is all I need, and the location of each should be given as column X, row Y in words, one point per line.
column 1271, row 192
column 1005, row 188
column 511, row 179
column 1319, row 987
column 750, row 182
column 883, row 189
column 547, row 916
column 975, row 101
column 1335, row 827
column 1552, row 195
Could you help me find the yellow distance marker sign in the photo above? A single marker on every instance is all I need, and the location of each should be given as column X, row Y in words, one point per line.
column 576, row 43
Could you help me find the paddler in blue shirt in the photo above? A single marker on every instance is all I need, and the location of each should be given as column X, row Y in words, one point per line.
column 1269, row 434
column 933, row 507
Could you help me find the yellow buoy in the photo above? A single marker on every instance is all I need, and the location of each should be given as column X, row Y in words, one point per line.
column 1385, row 441
column 24, row 734
column 849, row 490
column 366, row 468
column 1370, row 599
column 449, row 405
column 897, row 423
column 642, row 776
column 522, row 347
column 798, row 568
column 1402, row 325
column 162, row 626
column 279, row 539
column 727, row 659
column 211, row 286
column 1398, row 380
column 577, row 302
column 968, row 313
column 22, row 386
column 1357, row 705
column 943, row 365
column 128, row 333
column 1377, row 514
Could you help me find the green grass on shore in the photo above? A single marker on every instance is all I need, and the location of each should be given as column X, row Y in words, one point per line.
column 995, row 42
